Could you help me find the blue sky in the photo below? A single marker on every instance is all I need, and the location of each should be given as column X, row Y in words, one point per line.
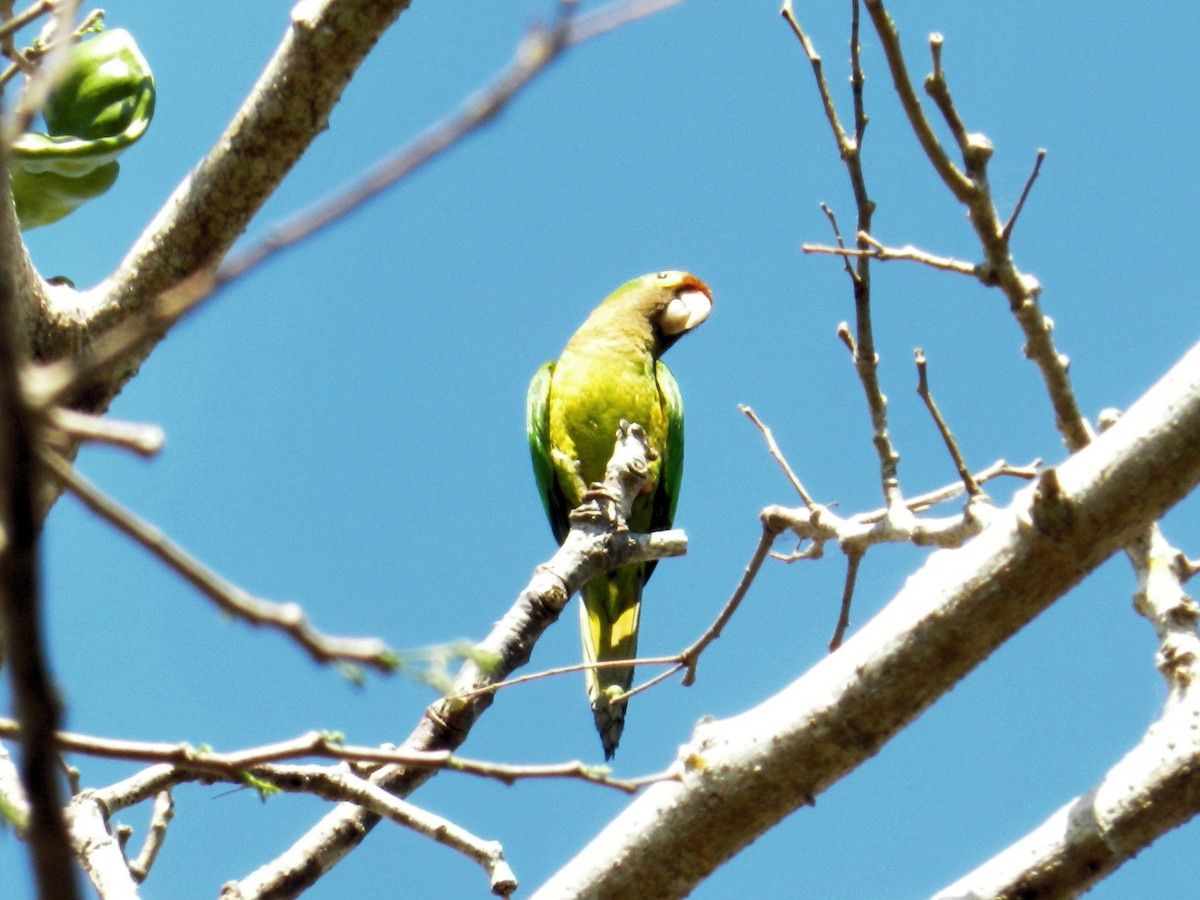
column 345, row 426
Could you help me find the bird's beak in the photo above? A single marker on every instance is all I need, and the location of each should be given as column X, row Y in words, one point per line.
column 687, row 309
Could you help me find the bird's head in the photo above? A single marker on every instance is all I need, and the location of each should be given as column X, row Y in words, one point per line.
column 675, row 303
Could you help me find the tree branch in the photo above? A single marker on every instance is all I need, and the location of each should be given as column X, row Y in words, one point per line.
column 1155, row 788
column 35, row 700
column 973, row 191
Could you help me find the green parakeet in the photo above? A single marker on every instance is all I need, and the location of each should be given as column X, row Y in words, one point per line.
column 610, row 370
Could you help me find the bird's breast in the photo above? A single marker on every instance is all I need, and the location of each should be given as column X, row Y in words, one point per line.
column 589, row 396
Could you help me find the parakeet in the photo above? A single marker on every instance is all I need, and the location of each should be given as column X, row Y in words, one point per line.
column 610, row 370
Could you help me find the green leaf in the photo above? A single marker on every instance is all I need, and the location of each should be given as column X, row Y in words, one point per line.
column 264, row 788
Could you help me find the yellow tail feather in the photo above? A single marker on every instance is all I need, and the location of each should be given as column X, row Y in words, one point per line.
column 609, row 624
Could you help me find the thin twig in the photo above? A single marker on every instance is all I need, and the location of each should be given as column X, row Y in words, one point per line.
column 193, row 763
column 349, row 787
column 691, row 656
column 968, row 480
column 907, row 253
column 858, row 80
column 853, row 559
column 923, row 502
column 846, row 144
column 939, row 91
column 160, row 819
column 568, row 670
column 647, row 685
column 20, row 20
column 777, row 455
column 288, row 618
column 960, row 185
column 1012, row 220
column 837, row 236
column 866, row 361
column 145, row 440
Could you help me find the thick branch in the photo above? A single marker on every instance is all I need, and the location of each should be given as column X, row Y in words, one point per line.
column 1155, row 788
column 34, row 698
column 741, row 776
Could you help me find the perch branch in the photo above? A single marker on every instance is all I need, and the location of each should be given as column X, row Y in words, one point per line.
column 594, row 543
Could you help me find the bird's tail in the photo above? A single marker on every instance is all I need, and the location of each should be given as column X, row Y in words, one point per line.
column 609, row 625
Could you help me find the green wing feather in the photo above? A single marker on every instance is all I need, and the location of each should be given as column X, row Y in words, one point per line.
column 670, row 475
column 537, row 425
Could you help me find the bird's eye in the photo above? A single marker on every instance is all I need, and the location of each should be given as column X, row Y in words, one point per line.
column 663, row 274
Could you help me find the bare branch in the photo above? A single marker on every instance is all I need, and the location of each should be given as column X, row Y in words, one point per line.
column 837, row 236
column 34, row 698
column 1153, row 789
column 908, row 253
column 969, row 483
column 348, row 787
column 691, row 656
column 939, row 91
column 191, row 763
column 922, row 502
column 846, row 145
column 145, row 440
column 853, row 560
column 572, row 669
column 958, row 183
column 777, row 455
column 160, row 820
column 973, row 191
column 1012, row 220
column 866, row 361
